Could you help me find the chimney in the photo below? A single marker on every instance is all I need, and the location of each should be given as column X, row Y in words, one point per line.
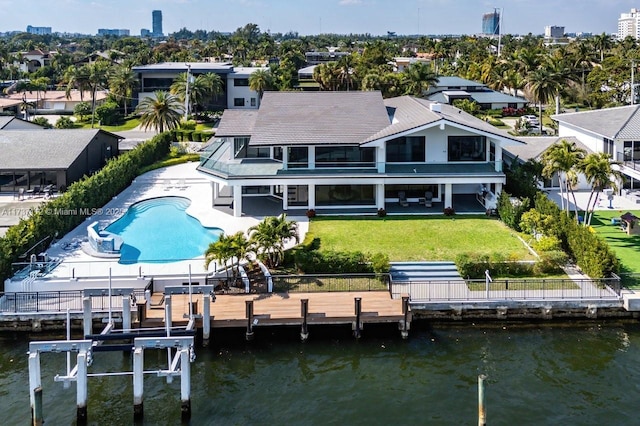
column 435, row 107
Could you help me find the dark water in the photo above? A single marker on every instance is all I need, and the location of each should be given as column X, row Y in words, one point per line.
column 587, row 374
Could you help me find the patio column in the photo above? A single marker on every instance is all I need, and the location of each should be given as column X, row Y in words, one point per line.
column 312, row 157
column 285, row 198
column 216, row 190
column 498, row 157
column 380, row 196
column 312, row 196
column 448, row 196
column 237, row 201
column 380, row 159
column 498, row 189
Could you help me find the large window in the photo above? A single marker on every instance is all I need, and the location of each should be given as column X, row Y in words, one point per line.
column 340, row 195
column 411, row 191
column 345, row 156
column 298, row 157
column 467, row 148
column 409, row 149
column 241, row 82
column 239, row 102
column 607, row 146
column 631, row 150
column 153, row 84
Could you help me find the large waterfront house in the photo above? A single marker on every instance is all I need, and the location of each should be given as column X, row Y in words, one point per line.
column 615, row 131
column 354, row 151
column 236, row 93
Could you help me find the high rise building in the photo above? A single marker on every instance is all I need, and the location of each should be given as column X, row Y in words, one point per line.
column 156, row 29
column 552, row 31
column 113, row 31
column 491, row 23
column 629, row 25
column 38, row 30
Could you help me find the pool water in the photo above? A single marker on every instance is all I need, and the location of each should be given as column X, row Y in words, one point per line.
column 159, row 230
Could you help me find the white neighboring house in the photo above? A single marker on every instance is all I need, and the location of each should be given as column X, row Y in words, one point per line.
column 56, row 100
column 354, row 151
column 236, row 92
column 615, row 131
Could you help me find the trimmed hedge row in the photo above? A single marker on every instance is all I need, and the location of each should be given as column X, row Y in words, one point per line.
column 187, row 135
column 81, row 198
column 308, row 259
column 473, row 266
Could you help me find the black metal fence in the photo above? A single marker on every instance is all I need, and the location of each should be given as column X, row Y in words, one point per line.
column 330, row 282
column 515, row 289
column 57, row 301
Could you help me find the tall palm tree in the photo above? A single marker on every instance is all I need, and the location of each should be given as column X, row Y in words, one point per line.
column 201, row 88
column 98, row 74
column 260, row 81
column 161, row 112
column 602, row 42
column 220, row 251
column 562, row 158
column 418, row 78
column 270, row 236
column 599, row 171
column 122, row 83
column 76, row 78
column 542, row 85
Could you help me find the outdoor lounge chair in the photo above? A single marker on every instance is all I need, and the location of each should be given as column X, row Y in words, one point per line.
column 402, row 199
column 428, row 199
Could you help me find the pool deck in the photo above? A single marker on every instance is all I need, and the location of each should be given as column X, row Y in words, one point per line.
column 179, row 181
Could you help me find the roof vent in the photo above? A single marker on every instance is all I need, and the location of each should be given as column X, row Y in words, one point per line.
column 435, row 107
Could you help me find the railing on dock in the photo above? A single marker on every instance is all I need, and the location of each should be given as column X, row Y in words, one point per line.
column 512, row 289
column 330, row 282
column 57, row 301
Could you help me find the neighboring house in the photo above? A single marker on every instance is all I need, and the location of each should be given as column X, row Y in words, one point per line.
column 33, row 60
column 449, row 89
column 14, row 123
column 306, row 80
column 615, row 131
column 533, row 148
column 401, row 63
column 8, row 104
column 33, row 159
column 56, row 100
column 331, row 55
column 236, row 92
column 354, row 150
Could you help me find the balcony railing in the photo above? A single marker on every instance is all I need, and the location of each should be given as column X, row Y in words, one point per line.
column 626, row 161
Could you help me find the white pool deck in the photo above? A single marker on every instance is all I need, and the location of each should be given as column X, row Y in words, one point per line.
column 181, row 181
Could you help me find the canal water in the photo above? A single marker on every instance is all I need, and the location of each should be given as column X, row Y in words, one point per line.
column 578, row 374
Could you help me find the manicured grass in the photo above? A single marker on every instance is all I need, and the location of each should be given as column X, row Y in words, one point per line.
column 200, row 127
column 127, row 125
column 626, row 247
column 171, row 161
column 407, row 238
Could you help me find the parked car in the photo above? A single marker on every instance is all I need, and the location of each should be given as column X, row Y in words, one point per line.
column 531, row 120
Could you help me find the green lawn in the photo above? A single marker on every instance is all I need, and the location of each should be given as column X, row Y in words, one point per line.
column 127, row 125
column 418, row 238
column 627, row 247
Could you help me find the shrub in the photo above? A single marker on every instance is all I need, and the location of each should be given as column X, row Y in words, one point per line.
column 42, row 121
column 449, row 211
column 382, row 212
column 196, row 136
column 550, row 262
column 311, row 213
column 510, row 211
column 65, row 123
column 547, row 244
column 108, row 114
column 82, row 109
column 380, row 263
column 188, row 125
column 332, row 262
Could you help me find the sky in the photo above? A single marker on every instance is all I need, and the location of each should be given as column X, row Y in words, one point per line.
column 307, row 17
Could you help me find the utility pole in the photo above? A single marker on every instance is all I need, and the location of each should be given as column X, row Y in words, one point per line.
column 633, row 89
column 186, row 97
column 500, row 31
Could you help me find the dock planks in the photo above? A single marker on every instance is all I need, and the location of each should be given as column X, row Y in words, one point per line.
column 285, row 308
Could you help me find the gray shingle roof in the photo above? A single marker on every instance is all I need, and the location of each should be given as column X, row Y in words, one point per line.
column 534, row 146
column 613, row 123
column 4, row 120
column 237, row 122
column 43, row 150
column 311, row 118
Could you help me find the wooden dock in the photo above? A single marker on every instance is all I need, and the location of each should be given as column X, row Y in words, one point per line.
column 285, row 309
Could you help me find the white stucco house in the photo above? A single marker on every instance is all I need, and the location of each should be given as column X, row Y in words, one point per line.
column 355, row 152
column 615, row 131
column 236, row 93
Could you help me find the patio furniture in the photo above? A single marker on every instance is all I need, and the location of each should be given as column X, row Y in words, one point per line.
column 402, row 199
column 33, row 192
column 20, row 194
column 428, row 199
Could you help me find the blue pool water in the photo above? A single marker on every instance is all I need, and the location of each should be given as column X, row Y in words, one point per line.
column 159, row 231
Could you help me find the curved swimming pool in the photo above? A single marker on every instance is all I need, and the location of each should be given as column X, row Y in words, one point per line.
column 159, row 230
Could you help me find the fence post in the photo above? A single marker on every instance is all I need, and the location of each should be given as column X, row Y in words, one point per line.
column 304, row 306
column 249, row 314
column 358, row 308
column 482, row 411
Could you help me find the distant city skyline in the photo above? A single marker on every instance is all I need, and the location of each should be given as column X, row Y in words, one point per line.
column 307, row 17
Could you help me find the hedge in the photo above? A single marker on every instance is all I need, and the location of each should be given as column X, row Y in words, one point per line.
column 91, row 192
column 473, row 266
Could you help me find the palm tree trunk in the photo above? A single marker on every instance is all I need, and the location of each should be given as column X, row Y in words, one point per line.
column 93, row 105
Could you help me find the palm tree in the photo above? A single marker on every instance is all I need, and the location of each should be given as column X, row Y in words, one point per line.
column 418, row 78
column 260, row 81
column 98, row 72
column 269, row 237
column 562, row 158
column 161, row 112
column 201, row 88
column 602, row 42
column 76, row 78
column 542, row 85
column 220, row 251
column 600, row 173
column 122, row 83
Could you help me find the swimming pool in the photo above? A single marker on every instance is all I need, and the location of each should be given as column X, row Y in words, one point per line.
column 159, row 231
